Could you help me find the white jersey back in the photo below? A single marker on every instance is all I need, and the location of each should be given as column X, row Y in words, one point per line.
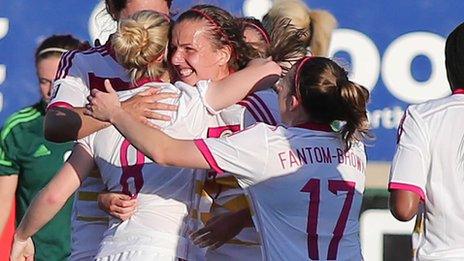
column 78, row 73
column 430, row 162
column 165, row 195
column 222, row 194
column 305, row 191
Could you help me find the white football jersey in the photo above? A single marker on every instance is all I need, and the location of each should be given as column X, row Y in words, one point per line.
column 305, row 191
column 78, row 73
column 429, row 161
column 165, row 195
column 222, row 193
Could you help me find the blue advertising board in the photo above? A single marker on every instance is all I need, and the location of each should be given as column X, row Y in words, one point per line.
column 394, row 48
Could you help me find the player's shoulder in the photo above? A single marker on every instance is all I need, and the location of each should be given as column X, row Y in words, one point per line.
column 263, row 106
column 437, row 106
column 79, row 56
column 19, row 119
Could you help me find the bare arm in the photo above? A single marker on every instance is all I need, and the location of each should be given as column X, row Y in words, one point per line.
column 404, row 204
column 8, row 186
column 54, row 196
column 63, row 124
column 235, row 87
column 153, row 143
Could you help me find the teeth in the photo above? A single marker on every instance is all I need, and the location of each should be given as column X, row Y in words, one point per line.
column 185, row 72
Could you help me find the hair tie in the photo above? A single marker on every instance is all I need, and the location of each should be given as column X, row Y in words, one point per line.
column 211, row 20
column 300, row 63
column 263, row 32
column 52, row 49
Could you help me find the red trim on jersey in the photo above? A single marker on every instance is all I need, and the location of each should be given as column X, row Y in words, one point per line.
column 65, row 64
column 458, row 91
column 203, row 148
column 407, row 187
column 263, row 104
column 315, row 126
column 59, row 105
column 109, row 48
column 96, row 82
column 260, row 113
column 251, row 109
column 144, row 80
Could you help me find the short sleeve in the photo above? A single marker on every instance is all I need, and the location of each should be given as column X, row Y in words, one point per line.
column 7, row 165
column 69, row 88
column 411, row 162
column 244, row 153
column 261, row 106
column 192, row 115
column 202, row 88
column 87, row 143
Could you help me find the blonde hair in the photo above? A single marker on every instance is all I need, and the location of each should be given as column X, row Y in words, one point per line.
column 139, row 41
column 318, row 24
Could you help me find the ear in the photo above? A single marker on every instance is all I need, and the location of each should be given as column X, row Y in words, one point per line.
column 294, row 103
column 225, row 54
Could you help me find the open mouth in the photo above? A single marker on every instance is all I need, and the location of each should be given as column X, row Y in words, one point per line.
column 185, row 72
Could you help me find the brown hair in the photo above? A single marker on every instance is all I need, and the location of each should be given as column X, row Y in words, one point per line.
column 114, row 7
column 140, row 40
column 318, row 25
column 56, row 45
column 224, row 30
column 326, row 93
column 251, row 23
column 454, row 57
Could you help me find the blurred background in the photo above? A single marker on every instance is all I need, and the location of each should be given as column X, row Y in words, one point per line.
column 395, row 48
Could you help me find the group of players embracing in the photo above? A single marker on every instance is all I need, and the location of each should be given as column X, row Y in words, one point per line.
column 230, row 138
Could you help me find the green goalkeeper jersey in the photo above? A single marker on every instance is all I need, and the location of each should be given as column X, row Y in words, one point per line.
column 25, row 152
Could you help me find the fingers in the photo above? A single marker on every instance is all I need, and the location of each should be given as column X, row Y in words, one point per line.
column 126, row 203
column 216, row 245
column 200, row 232
column 163, row 95
column 162, row 106
column 109, row 87
column 156, row 116
column 149, row 91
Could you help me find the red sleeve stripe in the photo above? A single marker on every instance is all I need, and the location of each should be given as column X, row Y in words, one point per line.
column 66, row 61
column 62, row 64
column 251, row 109
column 407, row 187
column 59, row 105
column 255, row 106
column 203, row 148
column 66, row 64
column 263, row 105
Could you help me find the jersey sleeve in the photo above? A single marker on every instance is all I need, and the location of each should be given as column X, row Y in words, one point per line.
column 244, row 153
column 8, row 166
column 192, row 114
column 411, row 162
column 202, row 88
column 69, row 88
column 261, row 106
column 87, row 143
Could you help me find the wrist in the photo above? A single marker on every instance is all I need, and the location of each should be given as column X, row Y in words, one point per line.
column 117, row 115
column 19, row 238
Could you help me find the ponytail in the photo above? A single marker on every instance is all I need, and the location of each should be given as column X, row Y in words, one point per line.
column 353, row 100
column 322, row 26
column 327, row 95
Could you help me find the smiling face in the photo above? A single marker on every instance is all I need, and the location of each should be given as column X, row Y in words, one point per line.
column 193, row 55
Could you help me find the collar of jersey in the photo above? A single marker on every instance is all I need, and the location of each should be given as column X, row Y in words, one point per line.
column 315, row 126
column 459, row 91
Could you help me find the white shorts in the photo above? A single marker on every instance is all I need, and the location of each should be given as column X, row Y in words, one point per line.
column 138, row 256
